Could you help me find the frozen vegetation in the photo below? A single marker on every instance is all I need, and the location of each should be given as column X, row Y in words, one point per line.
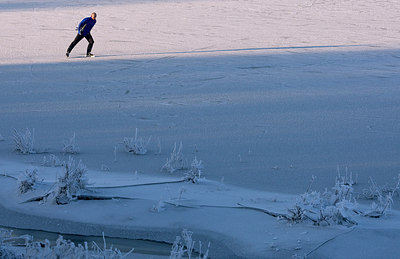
column 23, row 142
column 27, row 181
column 70, row 146
column 176, row 161
column 184, row 247
column 52, row 161
column 70, row 184
column 195, row 171
column 24, row 246
column 11, row 247
column 136, row 145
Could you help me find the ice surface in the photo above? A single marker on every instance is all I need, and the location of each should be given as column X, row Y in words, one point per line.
column 265, row 93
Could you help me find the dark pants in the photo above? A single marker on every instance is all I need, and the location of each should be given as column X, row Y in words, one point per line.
column 78, row 39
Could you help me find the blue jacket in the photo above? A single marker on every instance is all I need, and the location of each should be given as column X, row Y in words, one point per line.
column 85, row 26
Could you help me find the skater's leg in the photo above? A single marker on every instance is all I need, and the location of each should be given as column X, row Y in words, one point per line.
column 76, row 40
column 91, row 42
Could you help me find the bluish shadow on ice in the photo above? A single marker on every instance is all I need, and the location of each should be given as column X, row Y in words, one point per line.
column 258, row 119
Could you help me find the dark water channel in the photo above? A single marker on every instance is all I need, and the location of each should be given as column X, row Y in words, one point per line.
column 143, row 248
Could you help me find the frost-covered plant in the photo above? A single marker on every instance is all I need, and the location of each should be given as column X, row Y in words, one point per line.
column 205, row 254
column 188, row 241
column 374, row 191
column 62, row 249
column 330, row 207
column 70, row 146
column 195, row 172
column 184, row 245
column 71, row 183
column 7, row 250
column 338, row 206
column 23, row 142
column 177, row 250
column 380, row 207
column 340, row 191
column 136, row 145
column 304, row 203
column 383, row 199
column 68, row 249
column 296, row 214
column 176, row 160
column 108, row 253
column 52, row 161
column 27, row 180
column 347, row 178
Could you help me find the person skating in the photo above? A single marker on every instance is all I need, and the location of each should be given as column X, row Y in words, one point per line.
column 84, row 28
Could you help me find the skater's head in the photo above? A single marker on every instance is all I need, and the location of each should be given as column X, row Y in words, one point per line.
column 94, row 15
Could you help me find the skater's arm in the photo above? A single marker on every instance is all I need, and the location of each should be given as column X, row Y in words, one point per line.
column 86, row 25
column 82, row 25
column 81, row 29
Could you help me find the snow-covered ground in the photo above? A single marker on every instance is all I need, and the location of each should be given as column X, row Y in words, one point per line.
column 266, row 93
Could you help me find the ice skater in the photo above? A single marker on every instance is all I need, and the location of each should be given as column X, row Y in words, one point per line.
column 84, row 28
